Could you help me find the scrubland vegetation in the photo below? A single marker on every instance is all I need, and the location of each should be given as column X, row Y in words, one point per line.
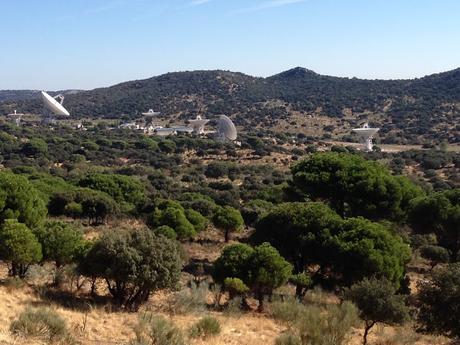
column 115, row 237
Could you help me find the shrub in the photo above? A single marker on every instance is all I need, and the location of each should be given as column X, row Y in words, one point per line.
column 314, row 325
column 288, row 339
column 235, row 287
column 152, row 329
column 190, row 300
column 166, row 231
column 288, row 311
column 328, row 326
column 13, row 283
column 205, row 327
column 435, row 254
column 42, row 322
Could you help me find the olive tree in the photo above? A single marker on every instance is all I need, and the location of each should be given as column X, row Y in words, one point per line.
column 134, row 264
column 377, row 301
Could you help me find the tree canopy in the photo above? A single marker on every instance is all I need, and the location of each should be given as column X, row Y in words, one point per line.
column 134, row 264
column 18, row 246
column 228, row 219
column 313, row 234
column 377, row 301
column 20, row 200
column 353, row 186
column 261, row 268
column 439, row 213
column 439, row 300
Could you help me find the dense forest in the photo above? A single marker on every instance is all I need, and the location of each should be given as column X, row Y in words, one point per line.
column 407, row 110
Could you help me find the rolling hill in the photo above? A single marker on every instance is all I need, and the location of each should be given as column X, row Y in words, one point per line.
column 414, row 110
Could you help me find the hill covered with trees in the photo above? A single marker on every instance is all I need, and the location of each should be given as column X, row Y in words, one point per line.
column 418, row 109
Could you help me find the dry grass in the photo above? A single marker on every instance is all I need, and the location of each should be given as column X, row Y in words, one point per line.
column 98, row 325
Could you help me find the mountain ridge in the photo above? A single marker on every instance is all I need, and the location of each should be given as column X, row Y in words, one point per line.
column 427, row 107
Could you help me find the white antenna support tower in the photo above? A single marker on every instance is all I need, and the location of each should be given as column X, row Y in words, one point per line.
column 366, row 135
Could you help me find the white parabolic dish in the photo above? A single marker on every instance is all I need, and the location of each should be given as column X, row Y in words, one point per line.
column 226, row 128
column 366, row 132
column 53, row 105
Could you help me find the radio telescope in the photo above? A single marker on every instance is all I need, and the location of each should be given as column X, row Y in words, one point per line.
column 366, row 135
column 151, row 113
column 226, row 130
column 198, row 125
column 53, row 105
column 16, row 117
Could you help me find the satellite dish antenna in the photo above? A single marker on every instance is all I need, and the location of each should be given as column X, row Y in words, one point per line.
column 151, row 113
column 198, row 125
column 16, row 117
column 53, row 105
column 366, row 135
column 226, row 130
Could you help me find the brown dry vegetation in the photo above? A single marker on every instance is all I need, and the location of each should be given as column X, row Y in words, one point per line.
column 97, row 324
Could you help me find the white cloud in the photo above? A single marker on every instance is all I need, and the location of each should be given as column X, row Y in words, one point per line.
column 199, row 2
column 269, row 4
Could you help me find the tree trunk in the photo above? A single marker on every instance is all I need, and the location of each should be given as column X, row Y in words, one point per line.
column 227, row 236
column 367, row 328
column 260, row 298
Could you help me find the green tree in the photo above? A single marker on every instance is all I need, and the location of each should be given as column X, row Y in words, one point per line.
column 96, row 206
column 377, row 301
column 268, row 270
column 353, row 186
column 173, row 216
column 35, row 147
column 303, row 282
column 439, row 213
column 299, row 231
column 312, row 234
column 19, row 247
column 121, row 188
column 439, row 300
column 134, row 264
column 198, row 221
column 235, row 287
column 228, row 219
column 262, row 268
column 435, row 254
column 233, row 263
column 20, row 200
column 60, row 242
column 365, row 249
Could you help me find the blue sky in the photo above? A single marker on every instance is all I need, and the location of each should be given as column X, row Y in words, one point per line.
column 56, row 44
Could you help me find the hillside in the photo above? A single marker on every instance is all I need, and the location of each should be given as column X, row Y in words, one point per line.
column 424, row 109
